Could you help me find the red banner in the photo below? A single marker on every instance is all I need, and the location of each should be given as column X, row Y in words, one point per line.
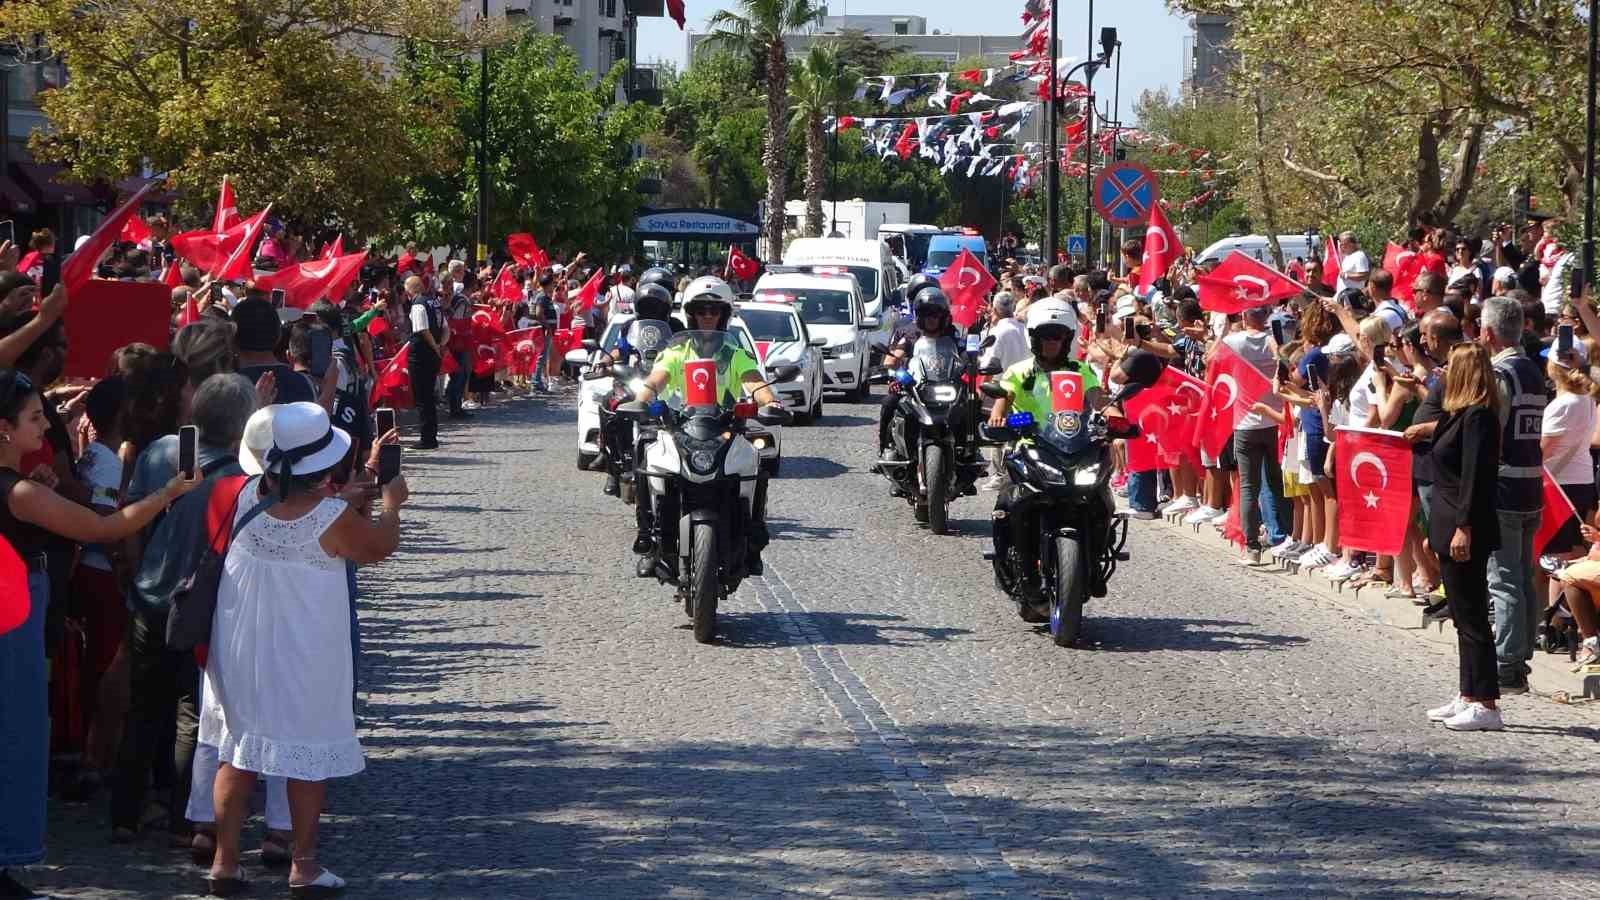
column 105, row 315
column 1558, row 511
column 700, row 382
column 1374, row 488
column 1167, row 413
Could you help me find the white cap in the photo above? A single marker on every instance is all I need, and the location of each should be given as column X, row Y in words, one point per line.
column 78, row 244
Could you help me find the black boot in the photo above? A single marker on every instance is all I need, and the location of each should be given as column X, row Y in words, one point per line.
column 612, row 485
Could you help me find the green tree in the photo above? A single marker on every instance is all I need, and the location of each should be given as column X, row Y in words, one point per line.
column 714, row 111
column 757, row 30
column 820, row 87
column 559, row 149
column 268, row 93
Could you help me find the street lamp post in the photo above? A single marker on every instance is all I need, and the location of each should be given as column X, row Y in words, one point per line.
column 482, row 244
column 1052, row 174
column 1108, row 43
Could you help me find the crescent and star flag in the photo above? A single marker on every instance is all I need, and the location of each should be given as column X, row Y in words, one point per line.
column 134, row 231
column 305, row 283
column 1066, row 392
column 14, row 601
column 511, row 346
column 1558, row 511
column 743, row 267
column 966, row 283
column 224, row 255
column 700, row 382
column 1374, row 488
column 1330, row 264
column 525, row 250
column 336, row 248
column 1166, row 413
column 1397, row 261
column 80, row 266
column 173, row 276
column 227, row 216
column 1232, row 387
column 587, row 294
column 506, row 286
column 1232, row 528
column 393, row 385
column 191, row 312
column 1242, row 283
column 1161, row 248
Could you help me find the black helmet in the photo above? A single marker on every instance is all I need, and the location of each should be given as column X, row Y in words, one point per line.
column 652, row 301
column 658, row 275
column 930, row 300
column 919, row 283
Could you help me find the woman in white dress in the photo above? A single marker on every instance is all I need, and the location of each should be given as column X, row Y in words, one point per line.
column 278, row 678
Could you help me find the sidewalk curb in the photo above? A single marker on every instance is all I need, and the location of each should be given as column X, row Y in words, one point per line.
column 1551, row 675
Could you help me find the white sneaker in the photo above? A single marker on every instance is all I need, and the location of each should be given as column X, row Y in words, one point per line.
column 1202, row 515
column 1476, row 717
column 1448, row 711
column 1219, row 515
column 1284, row 550
column 1315, row 558
column 1341, row 569
column 1183, row 505
column 469, row 405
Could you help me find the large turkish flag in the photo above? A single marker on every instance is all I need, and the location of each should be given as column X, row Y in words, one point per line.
column 1232, row 387
column 966, row 283
column 1374, row 487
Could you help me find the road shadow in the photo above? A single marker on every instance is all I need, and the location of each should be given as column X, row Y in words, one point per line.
column 790, row 530
column 767, row 629
column 1137, row 634
column 845, row 421
column 801, row 468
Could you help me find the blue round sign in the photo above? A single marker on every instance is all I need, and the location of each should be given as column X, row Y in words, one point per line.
column 1124, row 192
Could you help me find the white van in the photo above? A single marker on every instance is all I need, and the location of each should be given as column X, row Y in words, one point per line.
column 1256, row 246
column 869, row 261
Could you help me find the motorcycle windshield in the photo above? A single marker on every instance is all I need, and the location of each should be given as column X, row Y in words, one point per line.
column 935, row 361
column 706, row 369
column 649, row 337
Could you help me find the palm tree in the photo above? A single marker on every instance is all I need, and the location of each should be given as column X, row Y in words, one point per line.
column 821, row 82
column 757, row 27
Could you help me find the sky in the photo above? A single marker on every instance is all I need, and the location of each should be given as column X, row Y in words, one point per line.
column 1152, row 38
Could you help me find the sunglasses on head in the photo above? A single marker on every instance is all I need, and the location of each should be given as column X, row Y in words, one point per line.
column 11, row 387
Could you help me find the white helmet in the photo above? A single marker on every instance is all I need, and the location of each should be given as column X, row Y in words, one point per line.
column 1052, row 311
column 710, row 289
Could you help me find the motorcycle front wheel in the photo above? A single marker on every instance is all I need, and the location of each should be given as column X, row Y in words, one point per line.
column 938, row 481
column 1066, row 601
column 704, row 581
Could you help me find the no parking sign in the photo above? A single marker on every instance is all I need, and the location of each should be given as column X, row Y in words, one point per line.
column 1124, row 192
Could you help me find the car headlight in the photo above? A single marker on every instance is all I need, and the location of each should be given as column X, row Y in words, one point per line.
column 760, row 443
column 942, row 393
column 1086, row 476
column 702, row 462
column 1047, row 473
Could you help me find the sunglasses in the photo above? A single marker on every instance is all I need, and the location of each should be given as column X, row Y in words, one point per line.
column 10, row 388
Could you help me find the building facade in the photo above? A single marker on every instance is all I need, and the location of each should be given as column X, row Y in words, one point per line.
column 907, row 33
column 1208, row 59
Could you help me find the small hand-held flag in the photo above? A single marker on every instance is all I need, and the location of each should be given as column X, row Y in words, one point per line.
column 587, row 294
column 1161, row 248
column 1374, row 488
column 1558, row 511
column 1066, row 392
column 743, row 267
column 1330, row 263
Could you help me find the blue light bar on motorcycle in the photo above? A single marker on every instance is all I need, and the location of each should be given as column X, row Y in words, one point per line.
column 904, row 377
column 1019, row 420
column 657, row 407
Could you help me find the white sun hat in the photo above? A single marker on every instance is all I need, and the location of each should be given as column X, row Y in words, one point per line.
column 257, row 440
column 304, row 439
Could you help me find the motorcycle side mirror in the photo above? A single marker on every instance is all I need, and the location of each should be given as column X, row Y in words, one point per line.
column 590, row 344
column 595, row 374
column 870, row 323
column 990, row 389
column 785, row 373
column 770, row 416
column 996, row 434
column 878, row 376
column 633, row 408
column 991, row 369
column 987, row 343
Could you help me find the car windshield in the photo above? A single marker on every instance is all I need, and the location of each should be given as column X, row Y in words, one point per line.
column 816, row 307
column 943, row 258
column 770, row 324
column 917, row 249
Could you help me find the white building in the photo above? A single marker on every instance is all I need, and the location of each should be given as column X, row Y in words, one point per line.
column 857, row 219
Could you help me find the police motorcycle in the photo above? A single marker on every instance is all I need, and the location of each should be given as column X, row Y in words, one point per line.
column 934, row 428
column 1060, row 494
column 703, row 475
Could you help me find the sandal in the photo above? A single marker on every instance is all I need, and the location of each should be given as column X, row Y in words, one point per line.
column 202, row 848
column 275, row 848
column 326, row 884
column 227, row 886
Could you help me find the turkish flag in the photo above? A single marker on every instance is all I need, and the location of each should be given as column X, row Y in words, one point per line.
column 506, row 285
column 1232, row 387
column 1558, row 511
column 700, row 382
column 393, row 386
column 238, row 266
column 587, row 294
column 334, row 248
column 511, row 346
column 14, row 601
column 966, row 283
column 1066, row 392
column 1374, row 488
column 525, row 250
column 743, row 267
column 1232, row 528
column 80, row 266
column 1161, row 248
column 1330, row 263
column 173, row 276
column 1242, row 283
column 191, row 312
column 134, row 231
column 676, row 11
column 1401, row 263
column 227, row 215
column 1166, row 414
column 306, row 283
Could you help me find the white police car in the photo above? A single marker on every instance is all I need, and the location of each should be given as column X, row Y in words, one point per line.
column 832, row 309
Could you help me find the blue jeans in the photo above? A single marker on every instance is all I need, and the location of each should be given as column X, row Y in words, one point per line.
column 1516, row 606
column 1142, row 491
column 544, row 356
column 24, row 732
column 455, row 390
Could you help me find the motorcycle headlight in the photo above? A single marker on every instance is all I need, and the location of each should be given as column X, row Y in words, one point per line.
column 760, row 443
column 942, row 393
column 1086, row 476
column 702, row 462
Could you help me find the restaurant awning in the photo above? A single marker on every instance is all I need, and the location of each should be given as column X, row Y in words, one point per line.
column 13, row 198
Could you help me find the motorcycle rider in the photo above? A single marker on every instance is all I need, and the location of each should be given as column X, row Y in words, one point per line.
column 708, row 303
column 651, row 302
column 1052, row 324
column 932, row 321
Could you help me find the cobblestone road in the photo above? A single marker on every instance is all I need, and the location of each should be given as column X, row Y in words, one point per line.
column 877, row 723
